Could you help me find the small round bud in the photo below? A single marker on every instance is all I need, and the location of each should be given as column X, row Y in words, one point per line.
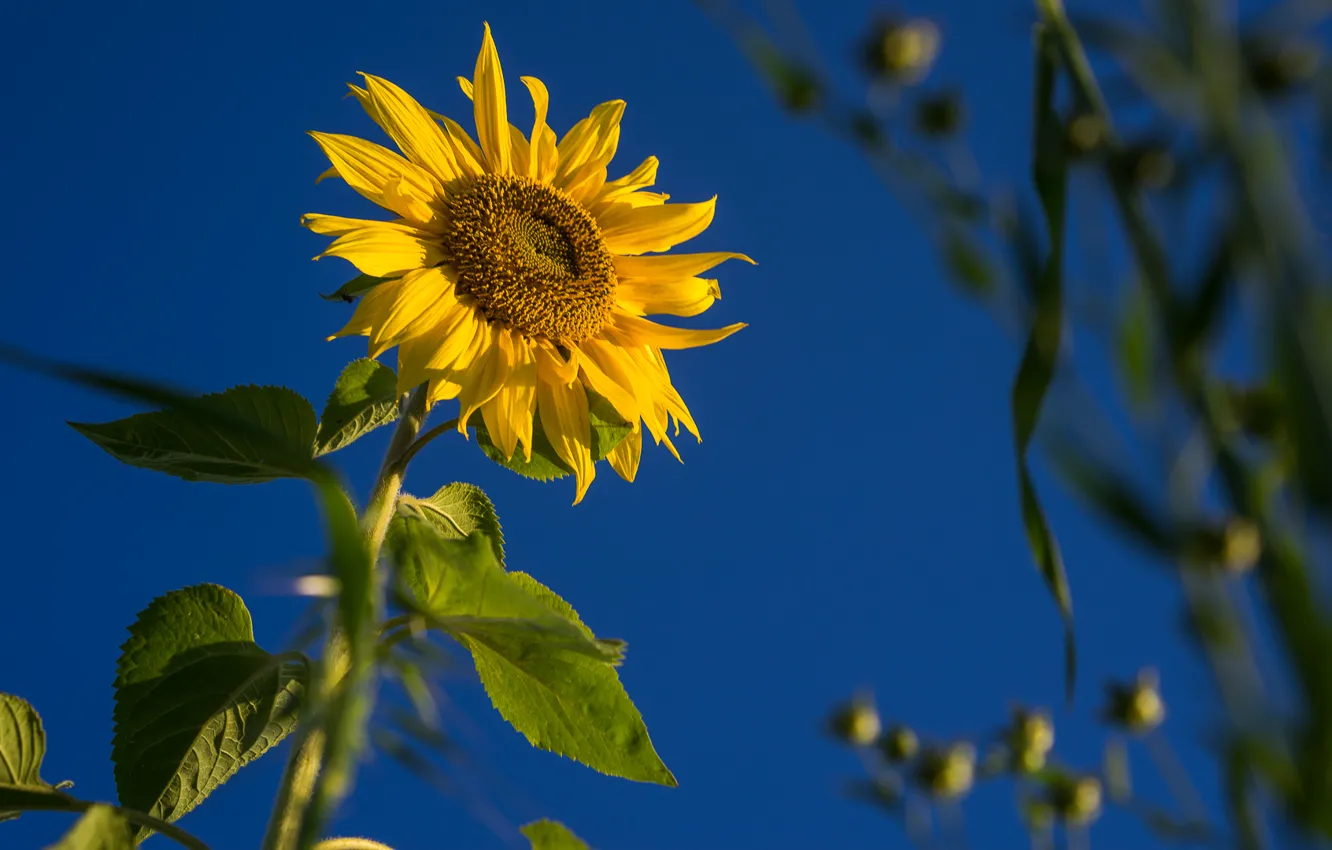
column 939, row 115
column 1136, row 708
column 1241, row 544
column 1085, row 134
column 1030, row 739
column 857, row 723
column 1075, row 800
column 899, row 744
column 947, row 772
column 902, row 52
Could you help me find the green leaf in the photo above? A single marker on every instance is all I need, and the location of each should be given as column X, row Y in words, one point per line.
column 355, row 288
column 100, row 828
column 364, row 398
column 275, row 437
column 22, row 742
column 564, row 701
column 552, row 835
column 22, row 747
column 460, row 587
column 607, row 430
column 196, row 700
column 545, row 671
column 455, row 511
column 1049, row 172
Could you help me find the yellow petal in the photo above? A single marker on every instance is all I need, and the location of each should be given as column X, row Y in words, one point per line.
column 624, row 457
column 452, row 337
column 519, row 150
column 589, row 146
column 467, row 153
column 370, row 169
column 687, row 297
column 563, row 413
column 518, row 397
column 385, row 251
column 412, row 129
column 331, row 172
column 654, row 228
column 621, row 397
column 640, row 178
column 370, row 310
column 670, row 267
column 422, row 300
column 638, row 331
column 490, row 109
column 619, row 367
column 483, row 379
column 543, row 138
column 336, row 225
column 466, row 84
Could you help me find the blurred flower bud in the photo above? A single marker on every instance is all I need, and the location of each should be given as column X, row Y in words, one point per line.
column 1030, row 738
column 1037, row 814
column 947, row 772
column 1147, row 165
column 857, row 723
column 1233, row 546
column 1084, row 134
column 1075, row 800
column 939, row 115
column 1278, row 68
column 902, row 52
column 899, row 744
column 1257, row 409
column 1136, row 708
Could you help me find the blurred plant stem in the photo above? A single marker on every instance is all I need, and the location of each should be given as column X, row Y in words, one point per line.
column 342, row 694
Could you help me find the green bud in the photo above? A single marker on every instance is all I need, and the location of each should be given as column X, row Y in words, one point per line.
column 899, row 744
column 1030, row 738
column 1084, row 134
column 856, row 723
column 1136, row 708
column 947, row 772
column 1075, row 800
column 939, row 115
column 902, row 52
column 1233, row 546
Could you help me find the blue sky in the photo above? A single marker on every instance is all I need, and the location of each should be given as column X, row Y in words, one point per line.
column 849, row 521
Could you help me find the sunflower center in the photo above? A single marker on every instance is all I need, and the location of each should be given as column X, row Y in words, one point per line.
column 531, row 257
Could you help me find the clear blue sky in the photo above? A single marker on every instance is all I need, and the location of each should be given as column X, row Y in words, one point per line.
column 850, row 519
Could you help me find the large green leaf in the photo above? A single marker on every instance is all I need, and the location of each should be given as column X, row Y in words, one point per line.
column 196, row 700
column 607, row 430
column 22, row 742
column 204, row 443
column 455, row 511
column 364, row 398
column 100, row 828
column 551, row 835
column 22, row 747
column 545, row 671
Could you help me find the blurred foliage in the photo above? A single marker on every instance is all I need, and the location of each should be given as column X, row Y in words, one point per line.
column 1226, row 482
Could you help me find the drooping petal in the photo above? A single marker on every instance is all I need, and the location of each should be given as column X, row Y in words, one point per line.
column 541, row 161
column 518, row 397
column 385, row 250
column 422, row 300
column 641, row 177
column 453, row 338
column 687, row 297
column 336, row 225
column 483, row 379
column 614, row 361
column 564, row 419
column 638, row 331
column 370, row 169
column 466, row 152
column 620, row 396
column 624, row 457
column 412, row 129
column 637, row 230
column 670, row 267
column 490, row 108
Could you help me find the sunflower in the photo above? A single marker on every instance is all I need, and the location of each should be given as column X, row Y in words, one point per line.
column 516, row 275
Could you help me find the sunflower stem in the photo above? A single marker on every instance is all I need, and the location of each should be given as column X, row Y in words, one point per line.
column 293, row 825
column 410, row 452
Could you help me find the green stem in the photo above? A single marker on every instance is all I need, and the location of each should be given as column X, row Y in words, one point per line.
column 318, row 772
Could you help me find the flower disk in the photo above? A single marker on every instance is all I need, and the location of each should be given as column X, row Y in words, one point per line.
column 515, row 276
column 531, row 257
